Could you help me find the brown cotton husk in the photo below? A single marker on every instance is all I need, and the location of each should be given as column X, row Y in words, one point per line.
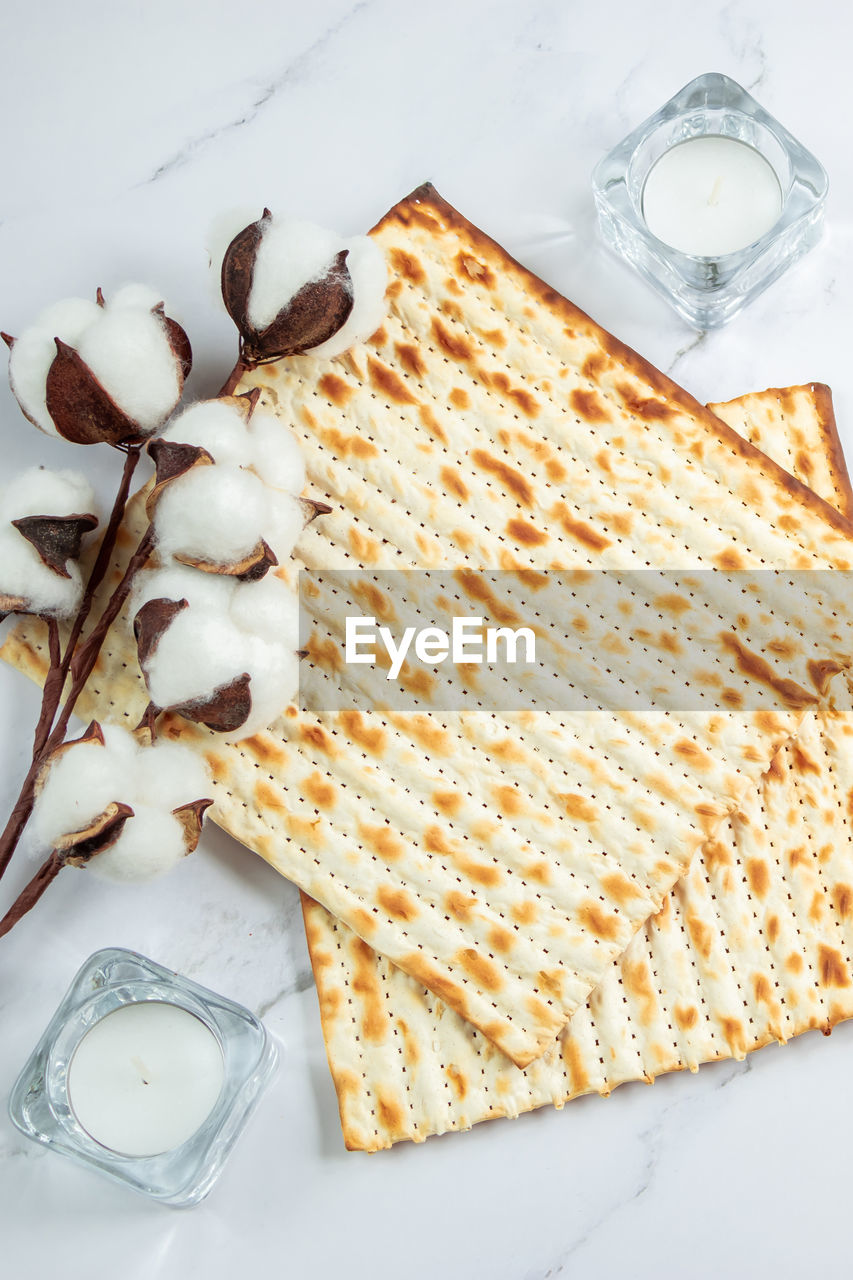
column 77, row 847
column 191, row 818
column 82, row 411
column 56, row 538
column 150, row 622
column 225, row 710
column 250, row 568
column 313, row 508
column 313, row 315
column 172, row 460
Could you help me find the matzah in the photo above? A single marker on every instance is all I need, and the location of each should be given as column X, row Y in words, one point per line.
column 490, row 422
column 753, row 945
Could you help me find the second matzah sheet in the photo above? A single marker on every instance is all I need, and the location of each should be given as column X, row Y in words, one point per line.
column 755, row 944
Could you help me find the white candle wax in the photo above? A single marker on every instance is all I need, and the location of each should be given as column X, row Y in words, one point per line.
column 145, row 1078
column 711, row 195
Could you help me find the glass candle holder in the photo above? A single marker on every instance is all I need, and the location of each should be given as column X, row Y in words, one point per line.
column 709, row 288
column 213, row 1055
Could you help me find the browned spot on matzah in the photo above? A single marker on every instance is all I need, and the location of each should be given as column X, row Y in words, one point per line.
column 445, row 988
column 509, row 801
column 319, row 790
column 701, row 935
column 686, row 1016
column 388, row 382
column 474, row 269
column 346, row 446
column 573, row 1058
column 399, row 904
column 802, row 761
column 335, row 389
column 598, row 921
column 365, row 981
column 578, row 807
column 578, row 529
column 729, row 560
column 524, row 912
column 757, row 668
column 453, row 483
column 315, row 735
column 459, row 398
column 833, row 971
column 618, row 887
column 758, row 875
column 450, row 343
column 410, row 359
column 733, row 1032
column 391, row 1114
column 513, row 481
column 526, row 533
column 484, row 873
column 432, row 424
column 407, row 265
column 364, row 921
column 382, row 840
column 370, row 739
column 589, row 406
column 821, row 673
column 842, row 899
column 637, row 981
column 773, row 928
column 267, row 796
column 459, row 905
column 458, row 1081
column 448, row 802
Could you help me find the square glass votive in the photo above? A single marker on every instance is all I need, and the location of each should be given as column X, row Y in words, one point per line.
column 708, row 290
column 221, row 1057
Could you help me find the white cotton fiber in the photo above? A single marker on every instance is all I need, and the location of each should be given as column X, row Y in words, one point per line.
column 216, row 513
column 290, row 254
column 151, row 843
column 169, row 775
column 211, row 591
column 33, row 353
column 215, row 426
column 198, row 653
column 127, row 349
column 366, row 265
column 82, row 781
column 285, row 522
column 136, row 296
column 274, row 684
column 274, row 453
column 268, row 609
column 39, row 492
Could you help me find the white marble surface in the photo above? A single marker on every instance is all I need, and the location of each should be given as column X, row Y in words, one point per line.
column 125, row 128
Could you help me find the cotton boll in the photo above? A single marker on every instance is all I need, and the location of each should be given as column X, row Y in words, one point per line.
column 268, row 609
column 215, row 426
column 80, row 783
column 369, row 273
column 123, row 752
column 38, row 491
column 274, row 454
column 212, row 513
column 33, row 353
column 198, row 653
column 168, row 776
column 210, row 591
column 290, row 254
column 25, row 576
column 128, row 352
column 151, row 843
column 285, row 522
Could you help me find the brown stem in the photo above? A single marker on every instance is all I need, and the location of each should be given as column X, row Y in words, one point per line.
column 59, row 667
column 29, row 896
column 87, row 655
column 232, row 381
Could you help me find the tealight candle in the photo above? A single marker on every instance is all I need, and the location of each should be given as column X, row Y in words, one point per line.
column 145, row 1078
column 710, row 196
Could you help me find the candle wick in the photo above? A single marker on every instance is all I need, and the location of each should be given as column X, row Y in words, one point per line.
column 141, row 1068
column 714, row 197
